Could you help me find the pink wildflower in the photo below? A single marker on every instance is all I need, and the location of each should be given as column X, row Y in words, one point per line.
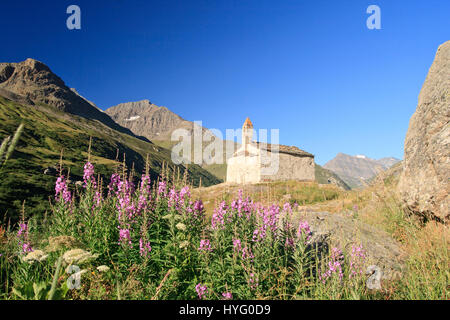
column 334, row 265
column 162, row 187
column 237, row 245
column 218, row 218
column 357, row 261
column 62, row 189
column 253, row 281
column 201, row 290
column 227, row 295
column 124, row 236
column 144, row 248
column 88, row 175
column 205, row 245
column 304, row 231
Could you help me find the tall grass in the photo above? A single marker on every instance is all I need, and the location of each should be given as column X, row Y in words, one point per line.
column 426, row 274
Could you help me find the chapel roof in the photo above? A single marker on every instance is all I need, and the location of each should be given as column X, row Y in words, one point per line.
column 292, row 150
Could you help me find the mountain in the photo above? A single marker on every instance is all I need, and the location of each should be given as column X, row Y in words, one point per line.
column 388, row 162
column 33, row 82
column 58, row 120
column 149, row 120
column 357, row 170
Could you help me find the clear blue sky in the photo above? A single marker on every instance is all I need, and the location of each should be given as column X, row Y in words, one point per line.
column 310, row 68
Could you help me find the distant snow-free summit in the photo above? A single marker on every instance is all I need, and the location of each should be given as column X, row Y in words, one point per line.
column 357, row 170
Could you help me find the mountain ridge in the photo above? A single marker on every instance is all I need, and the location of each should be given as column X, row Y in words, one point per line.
column 32, row 82
column 357, row 170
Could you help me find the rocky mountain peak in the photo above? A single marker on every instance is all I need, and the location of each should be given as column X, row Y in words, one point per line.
column 147, row 119
column 357, row 170
column 32, row 82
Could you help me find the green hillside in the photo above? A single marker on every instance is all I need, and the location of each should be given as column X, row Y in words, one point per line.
column 325, row 176
column 46, row 132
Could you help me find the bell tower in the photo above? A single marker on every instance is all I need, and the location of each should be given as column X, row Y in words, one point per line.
column 247, row 134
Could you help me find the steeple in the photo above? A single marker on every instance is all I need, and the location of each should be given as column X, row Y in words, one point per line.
column 247, row 124
column 247, row 134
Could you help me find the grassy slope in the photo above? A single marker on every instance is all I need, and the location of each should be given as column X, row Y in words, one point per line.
column 322, row 176
column 48, row 131
column 300, row 192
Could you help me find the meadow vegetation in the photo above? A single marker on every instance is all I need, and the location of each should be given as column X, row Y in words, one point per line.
column 152, row 239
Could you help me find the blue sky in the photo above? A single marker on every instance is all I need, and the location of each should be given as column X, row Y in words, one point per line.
column 310, row 68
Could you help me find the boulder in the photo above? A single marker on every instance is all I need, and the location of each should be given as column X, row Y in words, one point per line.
column 424, row 183
column 342, row 231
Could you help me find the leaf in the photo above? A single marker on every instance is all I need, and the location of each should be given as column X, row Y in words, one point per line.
column 40, row 290
column 19, row 294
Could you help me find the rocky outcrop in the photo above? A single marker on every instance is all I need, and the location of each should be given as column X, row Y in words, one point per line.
column 424, row 183
column 32, row 82
column 342, row 231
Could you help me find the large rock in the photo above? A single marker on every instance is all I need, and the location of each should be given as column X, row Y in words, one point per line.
column 342, row 231
column 424, row 183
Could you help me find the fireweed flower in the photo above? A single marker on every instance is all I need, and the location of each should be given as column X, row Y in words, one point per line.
column 334, row 265
column 113, row 184
column 26, row 247
column 185, row 193
column 237, row 245
column 247, row 254
column 125, row 206
column 287, row 207
column 144, row 194
column 253, row 281
column 218, row 218
column 259, row 234
column 144, row 248
column 201, row 290
column 205, row 245
column 88, row 175
column 23, row 230
column 242, row 206
column 270, row 217
column 174, row 198
column 227, row 295
column 357, row 260
column 22, row 234
column 198, row 209
column 98, row 197
column 289, row 242
column 145, row 184
column 124, row 237
column 62, row 189
column 304, row 230
column 162, row 187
